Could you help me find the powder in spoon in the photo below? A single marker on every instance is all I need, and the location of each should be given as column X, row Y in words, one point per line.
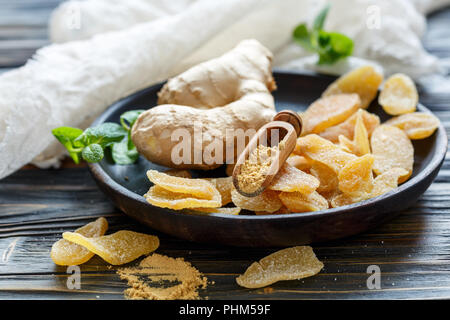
column 160, row 277
column 255, row 169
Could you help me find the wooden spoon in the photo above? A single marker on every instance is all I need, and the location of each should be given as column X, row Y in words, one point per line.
column 285, row 127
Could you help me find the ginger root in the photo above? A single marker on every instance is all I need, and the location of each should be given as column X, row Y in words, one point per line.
column 213, row 98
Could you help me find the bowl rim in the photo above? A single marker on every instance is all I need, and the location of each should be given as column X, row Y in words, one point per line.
column 437, row 159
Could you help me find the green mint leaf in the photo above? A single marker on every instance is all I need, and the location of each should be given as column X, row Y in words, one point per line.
column 104, row 134
column 127, row 119
column 333, row 46
column 301, row 36
column 93, row 153
column 330, row 46
column 124, row 152
column 319, row 21
column 67, row 137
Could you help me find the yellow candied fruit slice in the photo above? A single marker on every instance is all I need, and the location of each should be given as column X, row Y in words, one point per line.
column 347, row 145
column 118, row 248
column 66, row 253
column 297, row 202
column 364, row 81
column 356, row 178
column 179, row 173
column 346, row 128
column 392, row 148
column 287, row 264
column 341, row 199
column 198, row 188
column 399, row 95
column 299, row 162
column 266, row 201
column 163, row 198
column 387, row 181
column 227, row 210
column 329, row 111
column 224, row 186
column 360, row 144
column 322, row 150
column 327, row 177
column 291, row 179
column 416, row 125
column 361, row 136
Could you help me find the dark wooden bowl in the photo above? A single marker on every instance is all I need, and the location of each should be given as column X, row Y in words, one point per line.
column 125, row 185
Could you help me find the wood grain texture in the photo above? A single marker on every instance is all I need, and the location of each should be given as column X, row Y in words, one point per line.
column 36, row 206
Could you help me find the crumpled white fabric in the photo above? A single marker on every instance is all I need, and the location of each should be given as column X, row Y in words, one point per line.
column 387, row 33
column 111, row 48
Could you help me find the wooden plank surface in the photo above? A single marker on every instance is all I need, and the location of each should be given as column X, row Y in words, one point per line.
column 36, row 206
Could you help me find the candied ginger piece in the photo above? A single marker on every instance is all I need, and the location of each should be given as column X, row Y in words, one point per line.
column 392, row 148
column 416, row 125
column 163, row 198
column 341, row 199
column 298, row 202
column 364, row 81
column 346, row 128
column 361, row 136
column 356, row 178
column 327, row 177
column 299, row 162
column 360, row 144
column 66, row 253
column 322, row 150
column 329, row 111
column 118, row 248
column 266, row 201
column 399, row 95
column 387, row 181
column 224, row 186
column 291, row 179
column 347, row 145
column 287, row 264
column 198, row 188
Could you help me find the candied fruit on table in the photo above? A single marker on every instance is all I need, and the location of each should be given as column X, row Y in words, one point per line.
column 118, row 248
column 66, row 253
column 287, row 264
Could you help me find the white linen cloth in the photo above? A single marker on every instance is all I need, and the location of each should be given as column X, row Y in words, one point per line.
column 107, row 49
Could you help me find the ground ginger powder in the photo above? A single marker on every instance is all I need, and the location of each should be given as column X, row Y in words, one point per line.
column 160, row 277
column 255, row 169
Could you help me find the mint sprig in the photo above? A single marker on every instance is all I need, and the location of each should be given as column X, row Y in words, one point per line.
column 330, row 46
column 90, row 144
